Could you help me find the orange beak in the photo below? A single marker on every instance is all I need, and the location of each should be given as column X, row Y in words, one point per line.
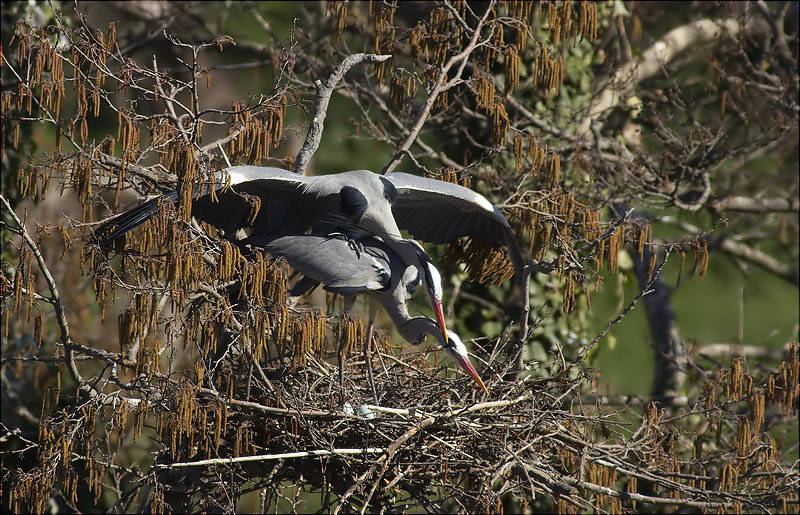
column 437, row 309
column 469, row 369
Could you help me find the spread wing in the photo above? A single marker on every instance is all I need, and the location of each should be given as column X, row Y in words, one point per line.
column 440, row 211
column 261, row 199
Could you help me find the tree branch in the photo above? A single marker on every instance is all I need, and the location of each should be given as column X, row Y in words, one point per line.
column 785, row 271
column 268, row 457
column 61, row 316
column 384, row 461
column 747, row 351
column 653, row 60
column 438, row 87
column 324, row 92
column 757, row 205
column 646, row 290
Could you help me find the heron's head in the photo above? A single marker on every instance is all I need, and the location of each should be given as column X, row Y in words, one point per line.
column 458, row 352
column 367, row 202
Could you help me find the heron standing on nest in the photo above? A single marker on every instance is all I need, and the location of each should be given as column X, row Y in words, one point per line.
column 370, row 266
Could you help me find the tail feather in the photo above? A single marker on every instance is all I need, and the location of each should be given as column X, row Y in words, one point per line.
column 130, row 219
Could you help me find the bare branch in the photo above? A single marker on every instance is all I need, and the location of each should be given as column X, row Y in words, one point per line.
column 646, row 290
column 761, row 259
column 269, row 457
column 747, row 351
column 653, row 60
column 440, row 85
column 324, row 92
column 61, row 317
column 757, row 205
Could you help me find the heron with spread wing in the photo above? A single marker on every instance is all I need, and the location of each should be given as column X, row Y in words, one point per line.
column 358, row 204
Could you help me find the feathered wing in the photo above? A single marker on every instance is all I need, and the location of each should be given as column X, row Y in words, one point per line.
column 338, row 264
column 261, row 199
column 440, row 212
column 130, row 219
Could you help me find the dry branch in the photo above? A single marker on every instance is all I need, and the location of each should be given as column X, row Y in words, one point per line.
column 324, row 92
column 268, row 457
column 757, row 205
column 658, row 56
column 55, row 296
column 442, row 83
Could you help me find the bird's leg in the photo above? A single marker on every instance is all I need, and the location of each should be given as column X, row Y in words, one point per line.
column 354, row 244
column 373, row 310
column 347, row 305
column 341, row 371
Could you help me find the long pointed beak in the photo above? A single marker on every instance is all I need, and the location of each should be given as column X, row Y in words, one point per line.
column 469, row 369
column 437, row 309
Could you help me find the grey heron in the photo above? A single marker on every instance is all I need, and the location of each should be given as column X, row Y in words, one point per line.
column 263, row 203
column 374, row 269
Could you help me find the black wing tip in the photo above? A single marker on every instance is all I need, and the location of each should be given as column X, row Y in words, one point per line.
column 501, row 217
column 129, row 220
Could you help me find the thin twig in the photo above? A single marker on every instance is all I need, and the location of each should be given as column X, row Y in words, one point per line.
column 438, row 87
column 61, row 316
column 645, row 291
column 384, row 461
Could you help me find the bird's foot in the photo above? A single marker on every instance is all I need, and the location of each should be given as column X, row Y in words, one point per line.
column 355, row 245
column 339, row 235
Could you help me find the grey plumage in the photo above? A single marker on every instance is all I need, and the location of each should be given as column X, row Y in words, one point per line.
column 289, row 204
column 440, row 212
column 375, row 269
column 256, row 205
column 333, row 261
column 357, row 203
column 274, row 208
